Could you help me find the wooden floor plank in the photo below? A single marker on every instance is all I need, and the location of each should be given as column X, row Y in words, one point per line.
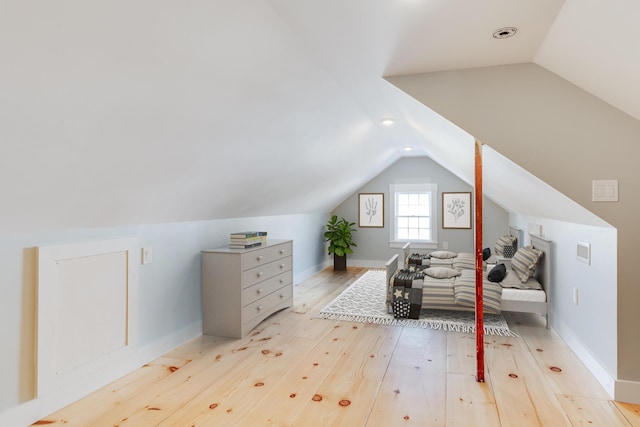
column 566, row 374
column 470, row 403
column 348, row 394
column 412, row 392
column 523, row 396
column 314, row 293
column 295, row 369
column 461, row 353
column 584, row 411
column 86, row 411
column 171, row 393
column 196, row 347
column 630, row 411
column 240, row 389
column 299, row 384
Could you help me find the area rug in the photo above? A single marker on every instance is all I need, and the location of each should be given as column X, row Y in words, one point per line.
column 364, row 301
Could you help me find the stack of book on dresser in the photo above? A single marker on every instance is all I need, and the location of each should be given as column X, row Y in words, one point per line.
column 247, row 239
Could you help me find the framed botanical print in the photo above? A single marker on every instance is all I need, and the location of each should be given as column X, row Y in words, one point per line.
column 456, row 210
column 371, row 210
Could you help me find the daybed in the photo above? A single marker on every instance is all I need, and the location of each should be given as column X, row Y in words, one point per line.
column 505, row 247
column 444, row 287
column 421, row 261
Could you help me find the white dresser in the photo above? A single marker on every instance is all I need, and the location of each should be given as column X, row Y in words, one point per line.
column 242, row 287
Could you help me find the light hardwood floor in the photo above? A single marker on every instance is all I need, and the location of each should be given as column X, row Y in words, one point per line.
column 294, row 370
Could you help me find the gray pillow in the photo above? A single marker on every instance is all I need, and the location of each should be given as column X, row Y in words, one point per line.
column 441, row 272
column 497, row 273
column 443, row 254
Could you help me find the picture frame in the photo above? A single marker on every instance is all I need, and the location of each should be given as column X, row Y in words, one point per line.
column 456, row 210
column 371, row 210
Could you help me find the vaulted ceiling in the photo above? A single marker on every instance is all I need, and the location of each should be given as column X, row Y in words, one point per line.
column 137, row 112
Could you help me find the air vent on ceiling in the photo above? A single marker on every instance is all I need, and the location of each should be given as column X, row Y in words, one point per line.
column 506, row 32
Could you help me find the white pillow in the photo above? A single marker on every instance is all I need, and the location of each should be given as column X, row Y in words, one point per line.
column 443, row 254
column 441, row 272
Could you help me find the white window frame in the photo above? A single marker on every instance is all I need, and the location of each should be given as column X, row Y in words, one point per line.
column 433, row 224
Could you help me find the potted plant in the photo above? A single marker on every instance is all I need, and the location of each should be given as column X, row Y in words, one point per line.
column 338, row 235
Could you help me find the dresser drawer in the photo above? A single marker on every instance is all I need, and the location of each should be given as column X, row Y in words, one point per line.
column 265, row 306
column 242, row 287
column 266, row 287
column 264, row 256
column 266, row 271
column 250, row 324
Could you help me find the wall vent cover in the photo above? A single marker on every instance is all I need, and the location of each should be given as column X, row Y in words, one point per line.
column 605, row 190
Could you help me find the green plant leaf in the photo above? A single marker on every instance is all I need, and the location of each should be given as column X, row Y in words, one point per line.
column 339, row 235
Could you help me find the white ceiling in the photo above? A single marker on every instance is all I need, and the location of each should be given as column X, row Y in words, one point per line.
column 448, row 35
column 116, row 113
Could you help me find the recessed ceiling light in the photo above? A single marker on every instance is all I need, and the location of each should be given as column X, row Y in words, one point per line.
column 504, row 33
column 387, row 122
column 407, row 148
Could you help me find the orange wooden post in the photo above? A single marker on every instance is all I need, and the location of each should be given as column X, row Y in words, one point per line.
column 479, row 300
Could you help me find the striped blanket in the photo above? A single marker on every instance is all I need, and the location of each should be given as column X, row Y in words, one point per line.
column 456, row 293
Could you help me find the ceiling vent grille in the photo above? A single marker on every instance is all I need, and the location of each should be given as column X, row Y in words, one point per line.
column 504, row 33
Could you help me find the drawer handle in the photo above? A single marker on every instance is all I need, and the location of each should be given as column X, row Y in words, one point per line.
column 281, row 251
column 281, row 265
column 259, row 273
column 281, row 296
column 260, row 258
column 259, row 291
column 259, row 308
column 281, row 280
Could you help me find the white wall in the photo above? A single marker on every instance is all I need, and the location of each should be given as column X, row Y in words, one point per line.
column 373, row 243
column 590, row 326
column 169, row 292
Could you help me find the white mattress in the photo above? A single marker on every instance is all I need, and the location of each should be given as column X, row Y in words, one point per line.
column 510, row 294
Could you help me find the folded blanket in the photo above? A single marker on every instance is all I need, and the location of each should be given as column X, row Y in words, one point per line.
column 406, row 297
column 418, row 260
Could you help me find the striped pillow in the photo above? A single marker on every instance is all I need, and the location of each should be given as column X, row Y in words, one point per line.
column 504, row 240
column 524, row 262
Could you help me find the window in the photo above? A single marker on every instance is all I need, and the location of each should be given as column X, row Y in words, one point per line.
column 413, row 216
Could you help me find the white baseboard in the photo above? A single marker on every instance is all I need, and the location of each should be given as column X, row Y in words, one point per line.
column 592, row 364
column 160, row 347
column 304, row 275
column 33, row 410
column 627, row 391
column 365, row 263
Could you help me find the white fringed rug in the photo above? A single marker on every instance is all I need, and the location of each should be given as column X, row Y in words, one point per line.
column 364, row 301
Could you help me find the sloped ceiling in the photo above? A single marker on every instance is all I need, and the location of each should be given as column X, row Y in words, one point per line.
column 118, row 113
